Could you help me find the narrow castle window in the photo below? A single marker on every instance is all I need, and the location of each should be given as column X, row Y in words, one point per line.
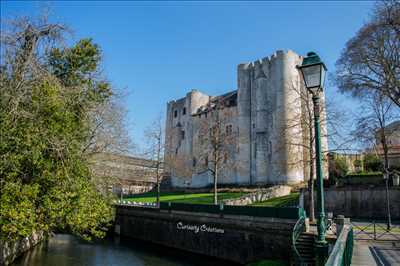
column 183, row 134
column 194, row 161
column 175, row 113
column 184, row 111
column 228, row 129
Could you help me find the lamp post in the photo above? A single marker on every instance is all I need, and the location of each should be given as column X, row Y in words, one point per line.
column 313, row 71
column 389, row 219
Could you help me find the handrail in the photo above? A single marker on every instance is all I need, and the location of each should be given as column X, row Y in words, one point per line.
column 297, row 230
column 342, row 251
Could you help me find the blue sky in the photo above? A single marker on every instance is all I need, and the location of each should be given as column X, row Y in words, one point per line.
column 160, row 50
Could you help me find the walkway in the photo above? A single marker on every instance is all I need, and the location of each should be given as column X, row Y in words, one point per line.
column 381, row 253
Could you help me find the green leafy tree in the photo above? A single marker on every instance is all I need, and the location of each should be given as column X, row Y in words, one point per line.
column 47, row 93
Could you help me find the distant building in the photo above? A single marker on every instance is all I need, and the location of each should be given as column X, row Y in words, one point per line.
column 266, row 117
column 131, row 174
column 392, row 132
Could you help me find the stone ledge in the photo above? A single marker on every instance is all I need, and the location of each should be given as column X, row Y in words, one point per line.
column 9, row 251
column 259, row 196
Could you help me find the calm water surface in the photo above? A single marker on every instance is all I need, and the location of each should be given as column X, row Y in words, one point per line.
column 66, row 250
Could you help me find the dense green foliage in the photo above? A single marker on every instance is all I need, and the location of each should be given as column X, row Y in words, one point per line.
column 181, row 197
column 338, row 168
column 372, row 163
column 46, row 96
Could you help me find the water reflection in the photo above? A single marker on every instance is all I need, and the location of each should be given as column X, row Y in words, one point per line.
column 66, row 250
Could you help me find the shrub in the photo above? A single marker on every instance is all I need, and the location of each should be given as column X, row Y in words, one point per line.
column 338, row 168
column 372, row 163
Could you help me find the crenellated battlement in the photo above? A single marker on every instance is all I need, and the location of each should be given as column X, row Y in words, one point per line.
column 262, row 118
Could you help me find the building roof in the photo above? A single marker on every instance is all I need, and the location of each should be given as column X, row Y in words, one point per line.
column 124, row 167
column 393, row 126
column 228, row 99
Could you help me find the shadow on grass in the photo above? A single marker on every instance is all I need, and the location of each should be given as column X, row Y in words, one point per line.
column 285, row 201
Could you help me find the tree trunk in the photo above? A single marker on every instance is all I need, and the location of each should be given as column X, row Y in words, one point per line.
column 311, row 195
column 386, row 173
column 158, row 189
column 311, row 211
column 158, row 169
column 215, row 180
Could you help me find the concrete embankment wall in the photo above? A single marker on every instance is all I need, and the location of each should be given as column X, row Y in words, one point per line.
column 9, row 250
column 360, row 202
column 236, row 238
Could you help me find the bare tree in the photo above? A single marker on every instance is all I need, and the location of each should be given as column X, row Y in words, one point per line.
column 155, row 151
column 332, row 127
column 218, row 139
column 371, row 130
column 370, row 61
column 108, row 128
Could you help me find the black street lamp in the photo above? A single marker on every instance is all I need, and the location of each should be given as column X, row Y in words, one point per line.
column 313, row 71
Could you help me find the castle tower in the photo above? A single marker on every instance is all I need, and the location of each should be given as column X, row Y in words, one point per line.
column 269, row 115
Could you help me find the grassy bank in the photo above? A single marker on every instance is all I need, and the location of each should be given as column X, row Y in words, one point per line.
column 181, row 197
column 285, row 201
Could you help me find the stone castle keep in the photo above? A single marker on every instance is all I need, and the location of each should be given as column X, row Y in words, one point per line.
column 263, row 118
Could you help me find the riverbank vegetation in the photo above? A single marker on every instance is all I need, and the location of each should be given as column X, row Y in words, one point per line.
column 50, row 94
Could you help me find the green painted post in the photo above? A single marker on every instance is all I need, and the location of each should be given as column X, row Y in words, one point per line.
column 313, row 71
column 321, row 244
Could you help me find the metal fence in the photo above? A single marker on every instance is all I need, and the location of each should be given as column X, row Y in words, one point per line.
column 376, row 230
column 136, row 204
column 277, row 212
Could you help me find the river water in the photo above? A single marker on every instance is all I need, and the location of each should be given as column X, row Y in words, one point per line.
column 67, row 250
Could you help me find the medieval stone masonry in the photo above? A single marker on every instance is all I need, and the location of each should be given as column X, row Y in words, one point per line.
column 262, row 122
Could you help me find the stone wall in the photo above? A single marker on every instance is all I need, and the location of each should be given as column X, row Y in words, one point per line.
column 367, row 203
column 9, row 251
column 240, row 239
column 262, row 195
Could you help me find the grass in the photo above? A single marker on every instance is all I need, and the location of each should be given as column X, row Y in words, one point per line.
column 181, row 197
column 285, row 201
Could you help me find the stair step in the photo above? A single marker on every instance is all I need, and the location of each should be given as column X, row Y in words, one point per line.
column 305, row 247
column 307, row 256
column 305, row 250
column 305, row 241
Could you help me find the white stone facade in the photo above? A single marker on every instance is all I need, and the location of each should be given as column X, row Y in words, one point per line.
column 265, row 116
